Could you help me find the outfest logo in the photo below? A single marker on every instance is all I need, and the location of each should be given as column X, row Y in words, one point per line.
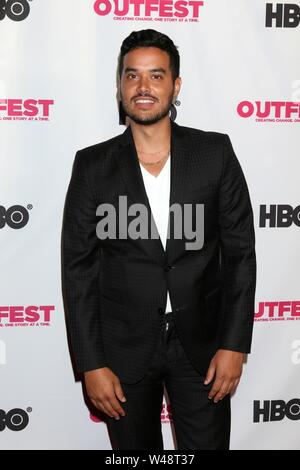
column 26, row 316
column 281, row 310
column 18, row 109
column 270, row 111
column 150, row 10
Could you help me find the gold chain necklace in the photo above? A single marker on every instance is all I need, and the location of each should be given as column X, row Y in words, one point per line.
column 153, row 153
column 154, row 163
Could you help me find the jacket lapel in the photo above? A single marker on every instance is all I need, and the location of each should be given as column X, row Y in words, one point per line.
column 179, row 167
column 129, row 166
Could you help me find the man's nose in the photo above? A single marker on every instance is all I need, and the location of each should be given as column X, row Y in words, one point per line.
column 143, row 85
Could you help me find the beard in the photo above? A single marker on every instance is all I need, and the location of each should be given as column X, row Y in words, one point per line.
column 149, row 119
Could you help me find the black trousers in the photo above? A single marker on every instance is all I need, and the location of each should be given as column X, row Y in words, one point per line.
column 199, row 423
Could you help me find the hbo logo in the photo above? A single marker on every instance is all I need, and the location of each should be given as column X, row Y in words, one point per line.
column 16, row 10
column 282, row 215
column 285, row 15
column 14, row 217
column 276, row 410
column 15, row 420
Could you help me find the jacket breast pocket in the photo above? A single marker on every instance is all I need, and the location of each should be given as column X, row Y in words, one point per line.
column 201, row 194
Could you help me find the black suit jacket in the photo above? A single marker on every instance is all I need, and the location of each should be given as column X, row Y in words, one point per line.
column 116, row 289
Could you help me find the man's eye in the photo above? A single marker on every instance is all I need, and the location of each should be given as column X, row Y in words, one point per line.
column 131, row 75
column 157, row 77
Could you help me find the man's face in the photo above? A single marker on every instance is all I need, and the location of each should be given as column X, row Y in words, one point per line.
column 146, row 85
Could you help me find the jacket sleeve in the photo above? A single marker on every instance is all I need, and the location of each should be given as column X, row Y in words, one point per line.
column 81, row 256
column 238, row 260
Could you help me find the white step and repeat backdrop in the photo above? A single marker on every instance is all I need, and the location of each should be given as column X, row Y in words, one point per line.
column 241, row 75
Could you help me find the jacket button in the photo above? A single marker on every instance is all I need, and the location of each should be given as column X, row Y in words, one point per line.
column 160, row 311
column 168, row 268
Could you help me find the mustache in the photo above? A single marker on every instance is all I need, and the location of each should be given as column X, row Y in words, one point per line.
column 144, row 96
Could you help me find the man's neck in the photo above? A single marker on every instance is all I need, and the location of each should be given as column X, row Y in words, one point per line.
column 152, row 138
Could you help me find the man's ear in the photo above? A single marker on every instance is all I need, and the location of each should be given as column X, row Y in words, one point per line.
column 178, row 83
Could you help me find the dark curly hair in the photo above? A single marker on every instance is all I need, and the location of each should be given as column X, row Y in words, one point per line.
column 150, row 38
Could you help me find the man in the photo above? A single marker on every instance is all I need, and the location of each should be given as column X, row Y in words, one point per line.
column 153, row 311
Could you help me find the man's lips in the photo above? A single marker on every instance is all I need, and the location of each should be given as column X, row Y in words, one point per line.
column 144, row 102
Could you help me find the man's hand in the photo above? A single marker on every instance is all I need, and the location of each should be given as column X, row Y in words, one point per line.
column 103, row 388
column 226, row 366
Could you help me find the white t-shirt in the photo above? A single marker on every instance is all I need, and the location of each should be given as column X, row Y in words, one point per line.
column 158, row 192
